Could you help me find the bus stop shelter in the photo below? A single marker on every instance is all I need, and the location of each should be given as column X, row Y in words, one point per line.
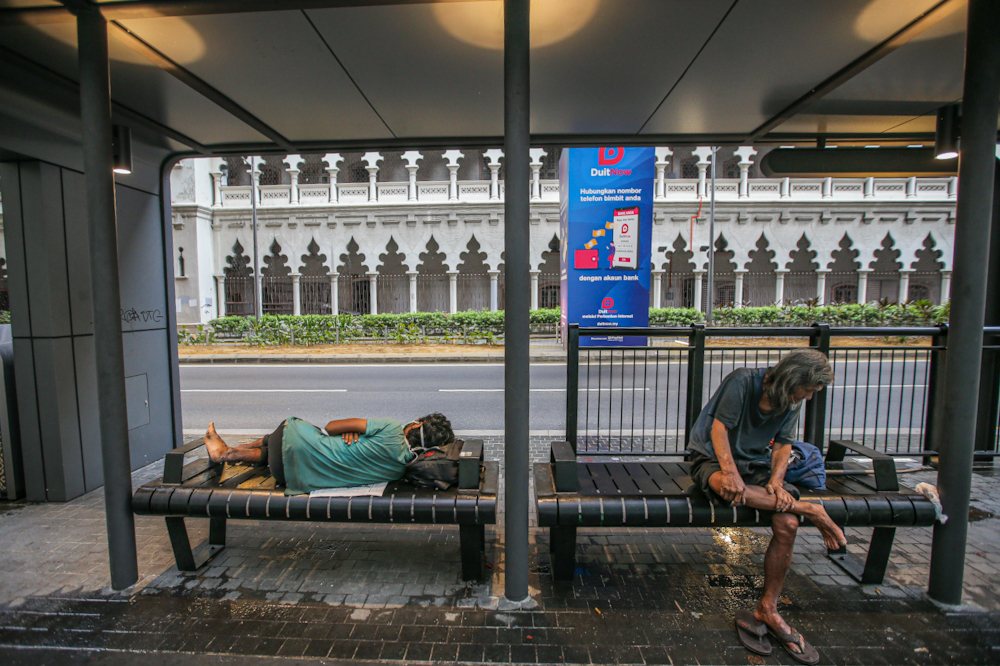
column 226, row 77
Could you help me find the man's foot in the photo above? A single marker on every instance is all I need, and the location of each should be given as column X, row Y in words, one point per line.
column 833, row 536
column 214, row 444
column 791, row 640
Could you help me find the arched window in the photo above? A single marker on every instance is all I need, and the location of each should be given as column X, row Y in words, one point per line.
column 731, row 168
column 919, row 292
column 689, row 167
column 844, row 293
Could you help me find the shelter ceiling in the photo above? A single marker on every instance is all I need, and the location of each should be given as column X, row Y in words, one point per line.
column 625, row 68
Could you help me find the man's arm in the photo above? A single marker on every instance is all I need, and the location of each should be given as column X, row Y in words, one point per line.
column 733, row 487
column 779, row 463
column 349, row 428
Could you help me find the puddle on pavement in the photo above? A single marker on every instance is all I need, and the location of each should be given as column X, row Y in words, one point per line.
column 975, row 515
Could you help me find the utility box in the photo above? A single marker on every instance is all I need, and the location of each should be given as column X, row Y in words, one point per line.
column 11, row 469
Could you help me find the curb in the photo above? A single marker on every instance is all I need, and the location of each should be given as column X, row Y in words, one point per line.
column 353, row 359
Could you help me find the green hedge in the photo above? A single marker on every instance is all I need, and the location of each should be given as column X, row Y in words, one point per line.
column 484, row 327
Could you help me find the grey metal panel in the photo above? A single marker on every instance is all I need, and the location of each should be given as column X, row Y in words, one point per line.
column 78, row 252
column 17, row 279
column 168, row 262
column 768, row 53
column 140, row 261
column 27, row 407
column 146, row 353
column 308, row 95
column 834, row 124
column 58, row 422
column 423, row 81
column 135, row 82
column 45, row 251
column 90, row 426
column 137, row 400
column 594, row 81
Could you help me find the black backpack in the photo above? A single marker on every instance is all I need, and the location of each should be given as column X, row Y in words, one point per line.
column 435, row 467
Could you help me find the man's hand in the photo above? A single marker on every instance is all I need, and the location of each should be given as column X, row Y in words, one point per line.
column 350, row 437
column 733, row 488
column 783, row 500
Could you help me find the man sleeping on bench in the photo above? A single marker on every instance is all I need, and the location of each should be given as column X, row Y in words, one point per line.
column 348, row 452
column 732, row 457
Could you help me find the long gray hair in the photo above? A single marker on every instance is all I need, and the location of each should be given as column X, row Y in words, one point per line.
column 802, row 368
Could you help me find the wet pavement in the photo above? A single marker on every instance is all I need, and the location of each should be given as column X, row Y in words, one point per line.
column 318, row 593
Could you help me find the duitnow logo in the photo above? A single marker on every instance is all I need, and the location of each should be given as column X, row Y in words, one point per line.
column 607, row 157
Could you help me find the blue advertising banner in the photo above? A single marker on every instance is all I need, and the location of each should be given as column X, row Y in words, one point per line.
column 606, row 219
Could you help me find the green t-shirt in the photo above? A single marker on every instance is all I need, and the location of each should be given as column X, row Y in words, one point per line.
column 314, row 460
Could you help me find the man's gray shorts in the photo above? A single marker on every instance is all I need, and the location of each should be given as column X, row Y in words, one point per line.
column 703, row 467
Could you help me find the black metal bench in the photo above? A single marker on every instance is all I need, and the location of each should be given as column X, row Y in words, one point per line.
column 203, row 489
column 572, row 494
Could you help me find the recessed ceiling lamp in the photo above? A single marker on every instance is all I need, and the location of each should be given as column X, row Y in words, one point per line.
column 121, row 149
column 946, row 133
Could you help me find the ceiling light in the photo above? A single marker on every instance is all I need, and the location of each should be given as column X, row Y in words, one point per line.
column 121, row 149
column 915, row 145
column 946, row 133
column 871, row 146
column 786, row 146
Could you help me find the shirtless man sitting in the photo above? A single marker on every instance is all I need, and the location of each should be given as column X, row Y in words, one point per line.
column 733, row 457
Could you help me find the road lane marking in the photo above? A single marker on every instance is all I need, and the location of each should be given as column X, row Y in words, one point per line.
column 538, row 390
column 282, row 390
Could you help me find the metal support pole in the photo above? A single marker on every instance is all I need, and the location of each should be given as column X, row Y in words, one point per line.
column 257, row 306
column 95, row 114
column 517, row 140
column 980, row 106
column 989, row 378
column 711, row 247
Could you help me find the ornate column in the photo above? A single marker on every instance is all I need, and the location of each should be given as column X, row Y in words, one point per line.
column 333, row 159
column 953, row 187
column 945, row 287
column 704, row 155
column 911, row 187
column 296, row 295
column 255, row 163
column 537, row 154
column 494, row 299
column 662, row 162
column 534, row 289
column 215, row 169
column 821, row 285
column 413, row 290
column 373, row 293
column 411, row 157
column 863, row 285
column 699, row 278
column 334, row 294
column 453, row 291
column 657, row 289
column 452, row 156
column 738, row 290
column 745, row 153
column 220, row 295
column 827, row 188
column 492, row 157
column 786, row 187
column 779, row 285
column 869, row 187
column 292, row 164
column 904, row 286
column 371, row 160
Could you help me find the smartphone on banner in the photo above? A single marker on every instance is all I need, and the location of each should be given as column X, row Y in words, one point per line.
column 625, row 222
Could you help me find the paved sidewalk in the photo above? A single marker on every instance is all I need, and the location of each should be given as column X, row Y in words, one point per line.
column 393, row 593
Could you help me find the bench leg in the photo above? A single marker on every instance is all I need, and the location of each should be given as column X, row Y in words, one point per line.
column 562, row 546
column 473, row 543
column 872, row 571
column 187, row 559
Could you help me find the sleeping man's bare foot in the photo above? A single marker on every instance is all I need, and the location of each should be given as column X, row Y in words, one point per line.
column 216, row 447
column 833, row 536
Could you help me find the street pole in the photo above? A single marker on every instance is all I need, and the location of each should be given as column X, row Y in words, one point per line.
column 257, row 310
column 711, row 246
column 517, row 140
column 109, row 358
column 980, row 106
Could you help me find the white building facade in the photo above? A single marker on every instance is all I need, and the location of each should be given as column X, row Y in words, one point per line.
column 423, row 231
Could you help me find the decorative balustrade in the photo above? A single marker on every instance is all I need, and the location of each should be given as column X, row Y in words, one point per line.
column 674, row 190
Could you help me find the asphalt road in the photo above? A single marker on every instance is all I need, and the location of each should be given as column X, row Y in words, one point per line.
column 256, row 398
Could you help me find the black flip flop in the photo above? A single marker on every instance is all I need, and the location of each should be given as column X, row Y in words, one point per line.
column 809, row 655
column 752, row 633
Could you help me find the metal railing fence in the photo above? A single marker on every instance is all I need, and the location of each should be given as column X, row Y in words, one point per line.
column 645, row 400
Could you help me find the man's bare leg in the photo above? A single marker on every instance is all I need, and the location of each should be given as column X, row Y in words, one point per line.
column 219, row 451
column 777, row 561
